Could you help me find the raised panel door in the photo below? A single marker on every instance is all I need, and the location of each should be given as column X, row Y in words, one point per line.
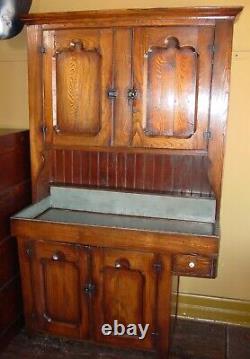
column 172, row 77
column 126, row 293
column 60, row 273
column 77, row 77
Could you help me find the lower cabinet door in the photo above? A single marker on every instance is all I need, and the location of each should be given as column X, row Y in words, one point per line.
column 59, row 274
column 124, row 303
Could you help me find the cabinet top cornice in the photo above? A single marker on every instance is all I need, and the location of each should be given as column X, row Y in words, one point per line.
column 136, row 15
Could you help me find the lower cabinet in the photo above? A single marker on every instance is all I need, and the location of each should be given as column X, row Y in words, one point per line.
column 59, row 273
column 125, row 294
column 106, row 295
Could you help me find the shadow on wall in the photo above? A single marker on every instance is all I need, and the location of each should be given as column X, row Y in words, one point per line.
column 10, row 25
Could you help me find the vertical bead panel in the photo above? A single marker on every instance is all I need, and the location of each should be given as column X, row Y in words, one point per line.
column 133, row 171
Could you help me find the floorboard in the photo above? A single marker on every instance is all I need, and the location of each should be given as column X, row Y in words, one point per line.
column 238, row 343
column 192, row 340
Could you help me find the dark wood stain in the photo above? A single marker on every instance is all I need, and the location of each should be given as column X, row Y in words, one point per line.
column 132, row 171
column 15, row 193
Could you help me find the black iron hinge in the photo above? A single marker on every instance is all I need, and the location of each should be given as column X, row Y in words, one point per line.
column 213, row 50
column 44, row 130
column 157, row 267
column 212, row 47
column 29, row 251
column 89, row 288
column 42, row 50
column 207, row 135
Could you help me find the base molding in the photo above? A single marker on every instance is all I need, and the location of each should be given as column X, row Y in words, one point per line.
column 221, row 310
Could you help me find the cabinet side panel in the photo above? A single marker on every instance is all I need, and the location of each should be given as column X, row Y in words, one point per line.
column 219, row 103
column 39, row 161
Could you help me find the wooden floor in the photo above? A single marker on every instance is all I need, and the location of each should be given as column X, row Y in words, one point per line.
column 193, row 340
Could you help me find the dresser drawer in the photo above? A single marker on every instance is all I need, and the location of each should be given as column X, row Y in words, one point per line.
column 191, row 265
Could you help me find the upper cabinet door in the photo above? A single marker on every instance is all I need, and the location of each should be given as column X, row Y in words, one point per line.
column 172, row 78
column 77, row 76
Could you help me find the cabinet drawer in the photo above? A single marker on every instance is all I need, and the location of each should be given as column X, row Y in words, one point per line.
column 191, row 265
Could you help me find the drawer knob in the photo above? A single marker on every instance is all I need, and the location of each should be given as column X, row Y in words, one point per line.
column 122, row 263
column 191, row 265
column 55, row 257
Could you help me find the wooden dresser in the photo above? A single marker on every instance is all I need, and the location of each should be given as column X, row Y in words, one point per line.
column 15, row 194
column 128, row 115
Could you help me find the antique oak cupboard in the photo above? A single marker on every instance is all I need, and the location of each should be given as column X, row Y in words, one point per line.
column 128, row 115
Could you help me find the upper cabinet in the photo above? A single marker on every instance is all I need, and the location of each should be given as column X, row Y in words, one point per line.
column 77, row 74
column 127, row 83
column 143, row 87
column 172, row 77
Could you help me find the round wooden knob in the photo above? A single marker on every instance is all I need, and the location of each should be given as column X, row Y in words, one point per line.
column 122, row 263
column 191, row 265
column 55, row 257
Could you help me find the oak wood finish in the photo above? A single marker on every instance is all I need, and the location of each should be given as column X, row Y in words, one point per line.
column 166, row 284
column 190, row 265
column 14, row 196
column 77, row 76
column 219, row 103
column 126, row 291
column 77, row 108
column 39, row 156
column 24, row 250
column 137, row 17
column 133, row 100
column 59, row 273
column 121, row 238
column 200, row 63
column 53, row 290
column 172, row 68
column 122, row 81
